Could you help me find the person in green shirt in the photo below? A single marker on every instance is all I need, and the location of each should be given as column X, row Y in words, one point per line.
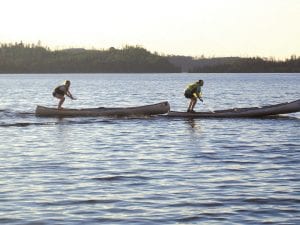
column 194, row 92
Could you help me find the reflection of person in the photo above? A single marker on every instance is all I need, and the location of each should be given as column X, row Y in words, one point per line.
column 193, row 92
column 60, row 92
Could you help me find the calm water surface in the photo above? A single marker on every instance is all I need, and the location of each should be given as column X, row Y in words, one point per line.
column 148, row 170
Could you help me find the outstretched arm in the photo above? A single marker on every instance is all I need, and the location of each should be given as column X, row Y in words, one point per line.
column 199, row 93
column 70, row 95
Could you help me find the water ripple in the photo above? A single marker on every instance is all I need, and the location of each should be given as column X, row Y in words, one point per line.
column 150, row 170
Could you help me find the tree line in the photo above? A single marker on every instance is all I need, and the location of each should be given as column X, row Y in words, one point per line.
column 31, row 58
column 252, row 65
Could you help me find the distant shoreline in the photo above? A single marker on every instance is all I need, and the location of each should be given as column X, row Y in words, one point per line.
column 119, row 73
column 22, row 58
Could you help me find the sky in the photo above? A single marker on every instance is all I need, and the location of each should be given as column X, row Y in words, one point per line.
column 213, row 28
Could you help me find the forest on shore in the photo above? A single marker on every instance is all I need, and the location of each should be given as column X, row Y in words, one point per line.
column 25, row 58
column 31, row 58
column 251, row 65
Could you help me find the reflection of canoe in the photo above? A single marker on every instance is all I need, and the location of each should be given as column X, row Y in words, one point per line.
column 284, row 108
column 147, row 110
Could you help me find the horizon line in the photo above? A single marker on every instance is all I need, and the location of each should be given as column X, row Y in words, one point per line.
column 201, row 56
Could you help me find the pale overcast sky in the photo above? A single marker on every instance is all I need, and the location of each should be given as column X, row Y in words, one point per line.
column 179, row 27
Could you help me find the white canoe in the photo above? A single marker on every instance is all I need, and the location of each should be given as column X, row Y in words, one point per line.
column 146, row 110
column 270, row 110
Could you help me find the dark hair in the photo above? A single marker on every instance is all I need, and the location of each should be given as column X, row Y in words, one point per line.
column 201, row 82
column 67, row 82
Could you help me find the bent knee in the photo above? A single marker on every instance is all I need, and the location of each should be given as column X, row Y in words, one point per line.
column 61, row 97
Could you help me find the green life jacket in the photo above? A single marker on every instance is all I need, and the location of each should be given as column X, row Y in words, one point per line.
column 195, row 89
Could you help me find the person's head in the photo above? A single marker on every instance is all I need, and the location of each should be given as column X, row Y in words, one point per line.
column 67, row 83
column 201, row 82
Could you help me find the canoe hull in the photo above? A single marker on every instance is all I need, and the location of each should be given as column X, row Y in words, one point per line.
column 147, row 110
column 284, row 108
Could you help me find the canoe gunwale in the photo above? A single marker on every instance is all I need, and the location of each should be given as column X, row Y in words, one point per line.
column 251, row 112
column 145, row 110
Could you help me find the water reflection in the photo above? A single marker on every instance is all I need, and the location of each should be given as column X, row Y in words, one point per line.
column 63, row 131
column 191, row 122
column 195, row 125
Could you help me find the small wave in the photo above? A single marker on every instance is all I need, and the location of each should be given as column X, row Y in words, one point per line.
column 204, row 217
column 57, row 122
column 25, row 113
column 88, row 121
column 189, row 219
column 8, row 113
column 79, row 202
column 26, row 124
column 198, row 204
column 120, row 178
column 275, row 201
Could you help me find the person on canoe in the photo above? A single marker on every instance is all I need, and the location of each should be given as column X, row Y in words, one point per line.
column 60, row 92
column 194, row 92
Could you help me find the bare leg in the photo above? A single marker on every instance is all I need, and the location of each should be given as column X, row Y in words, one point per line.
column 61, row 101
column 190, row 106
column 193, row 103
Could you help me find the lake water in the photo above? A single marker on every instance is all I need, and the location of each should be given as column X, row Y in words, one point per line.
column 148, row 170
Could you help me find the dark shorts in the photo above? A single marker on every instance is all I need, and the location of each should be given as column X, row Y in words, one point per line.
column 188, row 94
column 57, row 95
